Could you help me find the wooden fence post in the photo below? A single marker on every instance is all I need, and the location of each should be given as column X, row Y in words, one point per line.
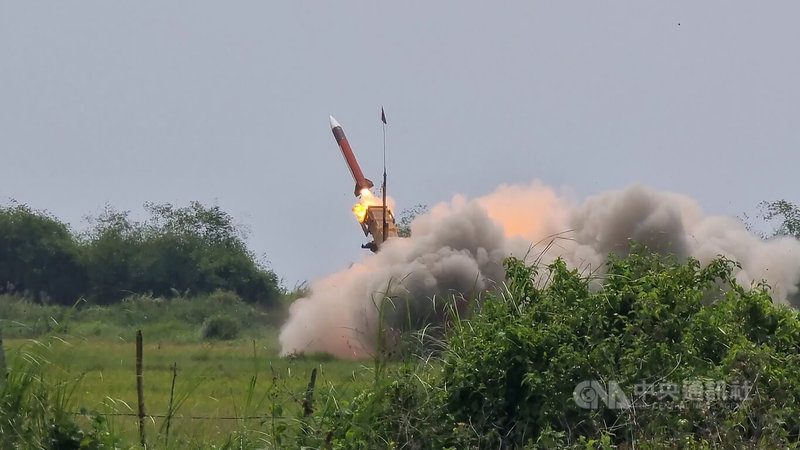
column 308, row 401
column 140, row 387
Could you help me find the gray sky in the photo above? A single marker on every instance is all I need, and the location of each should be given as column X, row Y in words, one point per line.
column 227, row 102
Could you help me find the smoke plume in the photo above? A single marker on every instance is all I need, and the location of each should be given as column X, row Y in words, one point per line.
column 459, row 247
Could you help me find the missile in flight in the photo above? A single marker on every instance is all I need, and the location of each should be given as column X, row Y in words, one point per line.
column 361, row 181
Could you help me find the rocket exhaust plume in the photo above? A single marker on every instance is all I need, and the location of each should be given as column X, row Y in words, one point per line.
column 459, row 246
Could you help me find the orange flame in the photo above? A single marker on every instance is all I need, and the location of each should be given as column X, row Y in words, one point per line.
column 367, row 200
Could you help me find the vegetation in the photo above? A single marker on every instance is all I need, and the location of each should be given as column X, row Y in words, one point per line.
column 787, row 215
column 39, row 256
column 179, row 319
column 79, row 363
column 36, row 414
column 508, row 375
column 220, row 326
column 407, row 216
column 781, row 216
column 225, row 392
column 656, row 353
column 175, row 252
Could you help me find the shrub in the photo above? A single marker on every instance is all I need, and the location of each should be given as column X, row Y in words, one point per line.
column 220, row 326
column 507, row 376
column 225, row 298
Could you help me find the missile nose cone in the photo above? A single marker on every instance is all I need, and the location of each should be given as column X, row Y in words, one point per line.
column 334, row 123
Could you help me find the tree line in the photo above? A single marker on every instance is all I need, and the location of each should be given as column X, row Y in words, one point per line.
column 175, row 251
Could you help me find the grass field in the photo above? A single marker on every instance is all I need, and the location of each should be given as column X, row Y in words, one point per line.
column 222, row 388
column 213, row 378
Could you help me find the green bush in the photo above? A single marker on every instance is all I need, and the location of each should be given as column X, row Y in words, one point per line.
column 220, row 326
column 507, row 376
column 225, row 298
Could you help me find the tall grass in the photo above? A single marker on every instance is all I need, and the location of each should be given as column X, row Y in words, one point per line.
column 82, row 357
column 37, row 407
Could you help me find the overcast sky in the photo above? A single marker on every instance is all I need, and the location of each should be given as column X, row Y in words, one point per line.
column 227, row 103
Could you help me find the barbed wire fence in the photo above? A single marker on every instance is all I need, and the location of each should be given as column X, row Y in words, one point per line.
column 306, row 400
column 142, row 417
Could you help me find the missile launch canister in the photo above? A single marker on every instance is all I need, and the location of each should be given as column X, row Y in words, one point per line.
column 361, row 181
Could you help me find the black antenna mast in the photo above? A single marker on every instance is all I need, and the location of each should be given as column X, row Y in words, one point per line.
column 385, row 223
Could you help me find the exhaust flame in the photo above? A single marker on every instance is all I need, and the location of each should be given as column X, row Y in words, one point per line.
column 457, row 249
column 360, row 210
column 366, row 199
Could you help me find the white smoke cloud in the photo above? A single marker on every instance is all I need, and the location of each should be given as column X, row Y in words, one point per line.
column 459, row 247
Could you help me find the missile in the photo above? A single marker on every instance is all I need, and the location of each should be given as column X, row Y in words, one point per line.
column 349, row 158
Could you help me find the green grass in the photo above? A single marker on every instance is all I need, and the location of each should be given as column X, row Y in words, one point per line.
column 504, row 377
column 213, row 377
column 177, row 320
column 92, row 349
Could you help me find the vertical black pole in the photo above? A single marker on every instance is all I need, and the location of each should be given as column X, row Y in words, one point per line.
column 385, row 224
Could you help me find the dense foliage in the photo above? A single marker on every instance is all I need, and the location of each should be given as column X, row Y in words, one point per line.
column 39, row 256
column 508, row 375
column 176, row 251
column 654, row 353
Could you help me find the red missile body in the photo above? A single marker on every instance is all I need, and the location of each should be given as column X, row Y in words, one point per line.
column 361, row 181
